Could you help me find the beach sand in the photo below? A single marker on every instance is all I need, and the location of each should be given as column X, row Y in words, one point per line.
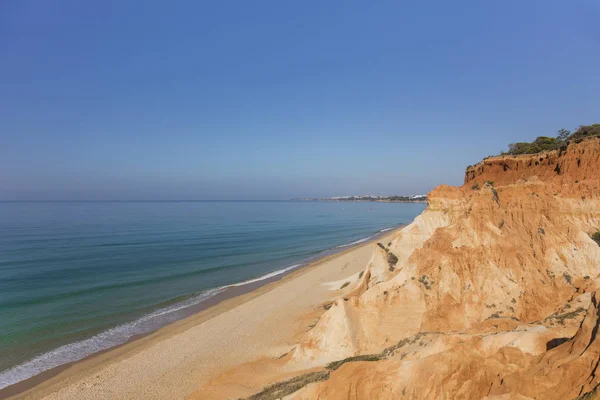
column 178, row 359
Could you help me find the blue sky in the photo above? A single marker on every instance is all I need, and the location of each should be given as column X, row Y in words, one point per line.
column 275, row 99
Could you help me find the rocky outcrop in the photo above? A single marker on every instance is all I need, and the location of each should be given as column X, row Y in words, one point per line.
column 570, row 165
column 493, row 294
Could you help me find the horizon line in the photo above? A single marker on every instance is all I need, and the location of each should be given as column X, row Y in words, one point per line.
column 135, row 200
column 298, row 199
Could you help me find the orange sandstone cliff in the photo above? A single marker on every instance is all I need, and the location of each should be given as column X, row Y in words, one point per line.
column 493, row 292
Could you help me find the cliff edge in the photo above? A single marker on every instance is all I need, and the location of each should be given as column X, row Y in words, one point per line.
column 492, row 292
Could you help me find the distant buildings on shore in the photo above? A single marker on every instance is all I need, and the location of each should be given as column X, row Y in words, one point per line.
column 370, row 197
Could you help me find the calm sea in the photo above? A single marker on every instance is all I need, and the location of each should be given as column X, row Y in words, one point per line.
column 80, row 277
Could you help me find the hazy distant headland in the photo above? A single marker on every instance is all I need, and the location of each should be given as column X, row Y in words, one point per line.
column 419, row 198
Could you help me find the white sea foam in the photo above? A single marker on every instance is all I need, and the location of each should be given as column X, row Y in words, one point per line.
column 114, row 336
column 355, row 242
column 102, row 341
column 267, row 276
column 363, row 239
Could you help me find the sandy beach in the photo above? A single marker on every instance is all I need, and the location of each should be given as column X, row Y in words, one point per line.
column 175, row 361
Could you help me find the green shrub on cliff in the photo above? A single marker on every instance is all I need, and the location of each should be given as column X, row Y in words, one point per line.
column 542, row 143
column 392, row 259
column 596, row 237
column 546, row 143
column 586, row 131
column 284, row 388
column 563, row 134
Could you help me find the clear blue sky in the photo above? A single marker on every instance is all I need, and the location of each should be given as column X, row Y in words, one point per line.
column 279, row 99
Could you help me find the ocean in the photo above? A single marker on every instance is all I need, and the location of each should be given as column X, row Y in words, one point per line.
column 77, row 278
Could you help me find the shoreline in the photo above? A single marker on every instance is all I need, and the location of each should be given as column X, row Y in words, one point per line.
column 230, row 297
column 361, row 201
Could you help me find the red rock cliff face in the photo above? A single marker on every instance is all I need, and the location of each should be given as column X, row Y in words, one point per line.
column 576, row 162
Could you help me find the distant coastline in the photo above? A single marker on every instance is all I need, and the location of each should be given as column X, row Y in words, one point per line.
column 420, row 198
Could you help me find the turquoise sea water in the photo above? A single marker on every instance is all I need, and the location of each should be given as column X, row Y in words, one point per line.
column 80, row 277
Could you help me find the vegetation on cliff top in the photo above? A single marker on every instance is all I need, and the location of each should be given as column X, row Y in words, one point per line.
column 546, row 143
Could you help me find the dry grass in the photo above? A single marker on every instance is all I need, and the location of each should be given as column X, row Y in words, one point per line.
column 367, row 357
column 282, row 389
column 561, row 318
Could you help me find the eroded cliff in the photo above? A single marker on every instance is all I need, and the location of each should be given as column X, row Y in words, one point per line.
column 491, row 293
